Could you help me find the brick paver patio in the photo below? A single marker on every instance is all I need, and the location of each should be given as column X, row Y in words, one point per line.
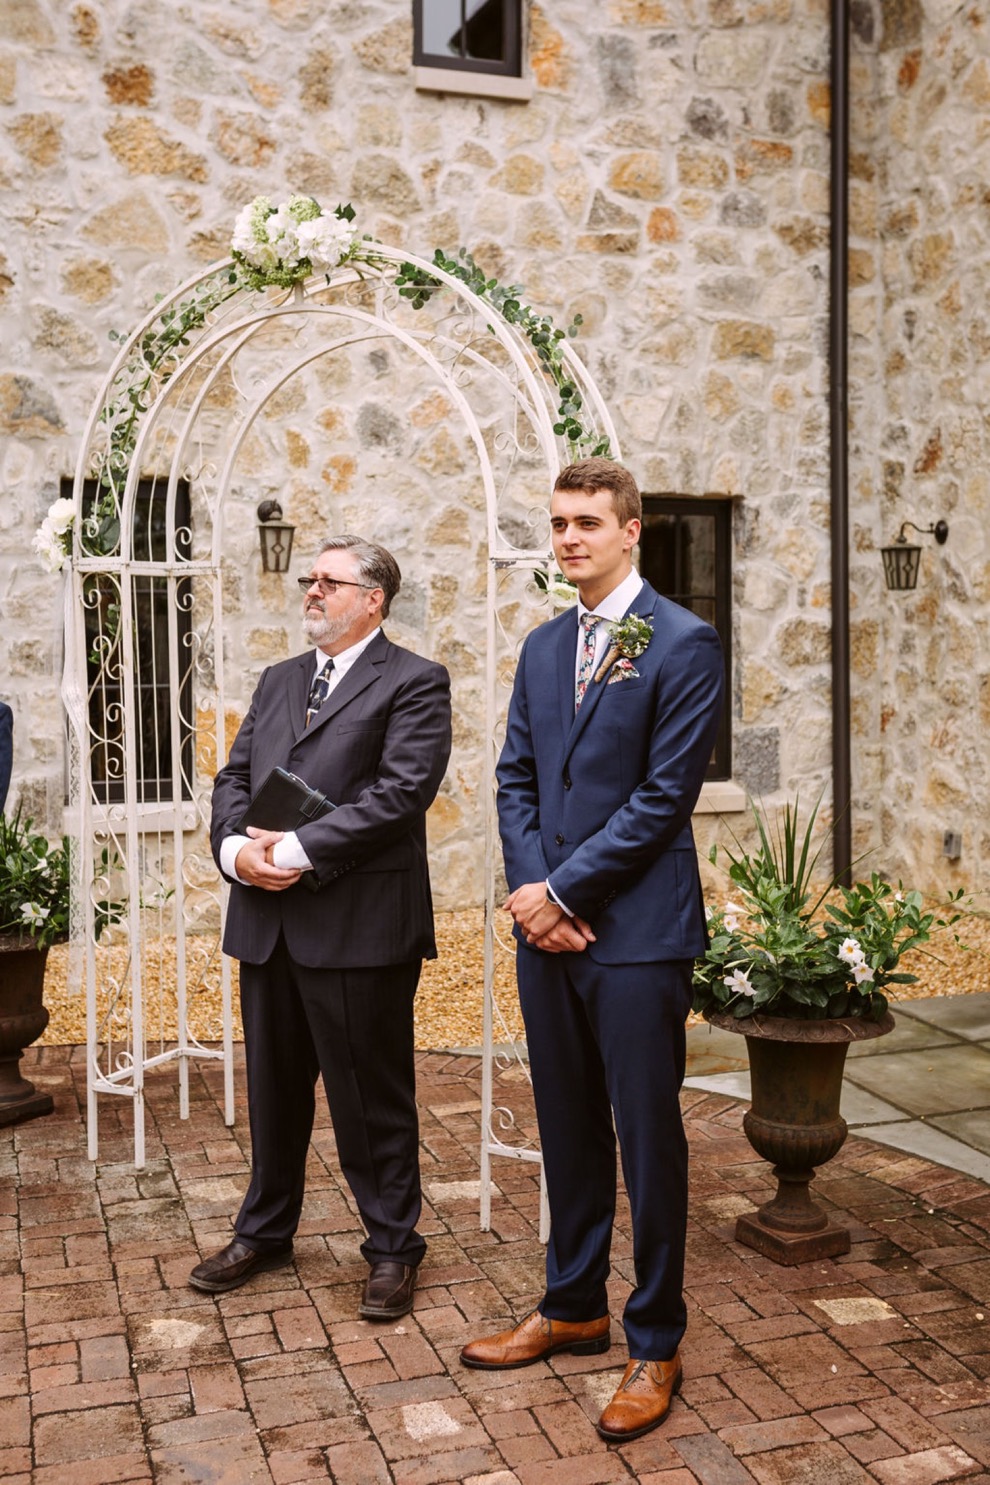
column 871, row 1368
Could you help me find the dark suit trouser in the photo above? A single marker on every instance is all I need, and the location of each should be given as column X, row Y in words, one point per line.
column 608, row 1039
column 355, row 1026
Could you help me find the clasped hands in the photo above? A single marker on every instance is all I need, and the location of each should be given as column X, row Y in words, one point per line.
column 254, row 864
column 545, row 925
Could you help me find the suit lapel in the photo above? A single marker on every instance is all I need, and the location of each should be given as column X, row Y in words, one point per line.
column 565, row 662
column 362, row 674
column 298, row 691
column 643, row 606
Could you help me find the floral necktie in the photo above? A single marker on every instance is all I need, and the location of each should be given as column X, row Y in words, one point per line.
column 589, row 623
column 318, row 691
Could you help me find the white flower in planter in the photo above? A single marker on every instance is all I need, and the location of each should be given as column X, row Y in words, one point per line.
column 32, row 914
column 738, row 983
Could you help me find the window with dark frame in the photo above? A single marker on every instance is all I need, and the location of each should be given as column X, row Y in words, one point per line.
column 469, row 35
column 686, row 553
column 164, row 701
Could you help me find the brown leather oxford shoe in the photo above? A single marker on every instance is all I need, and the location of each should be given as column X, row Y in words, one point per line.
column 642, row 1399
column 234, row 1265
column 535, row 1337
column 388, row 1291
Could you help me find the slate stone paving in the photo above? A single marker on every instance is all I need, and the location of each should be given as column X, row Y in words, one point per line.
column 873, row 1369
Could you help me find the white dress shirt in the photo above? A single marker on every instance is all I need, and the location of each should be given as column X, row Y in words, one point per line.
column 288, row 853
column 611, row 607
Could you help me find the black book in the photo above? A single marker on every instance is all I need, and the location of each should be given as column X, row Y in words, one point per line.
column 284, row 802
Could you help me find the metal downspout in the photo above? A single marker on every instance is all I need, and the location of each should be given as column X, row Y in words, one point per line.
column 838, row 439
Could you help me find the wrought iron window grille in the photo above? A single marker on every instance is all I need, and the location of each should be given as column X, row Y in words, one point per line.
column 163, row 700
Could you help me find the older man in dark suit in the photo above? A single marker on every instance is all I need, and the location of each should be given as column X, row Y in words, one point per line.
column 612, row 722
column 328, row 978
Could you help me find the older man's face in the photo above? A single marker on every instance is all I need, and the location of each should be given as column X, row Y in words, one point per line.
column 335, row 621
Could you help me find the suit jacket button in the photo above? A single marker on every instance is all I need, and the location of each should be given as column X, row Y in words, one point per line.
column 559, row 838
column 567, row 781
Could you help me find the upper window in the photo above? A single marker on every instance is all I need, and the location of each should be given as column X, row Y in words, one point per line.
column 686, row 553
column 160, row 657
column 469, row 35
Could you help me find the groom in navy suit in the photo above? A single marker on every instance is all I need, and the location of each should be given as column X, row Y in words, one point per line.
column 611, row 725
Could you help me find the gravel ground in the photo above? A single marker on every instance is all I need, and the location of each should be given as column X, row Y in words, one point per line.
column 449, row 1002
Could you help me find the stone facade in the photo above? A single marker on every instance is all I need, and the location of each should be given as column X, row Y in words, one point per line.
column 669, row 182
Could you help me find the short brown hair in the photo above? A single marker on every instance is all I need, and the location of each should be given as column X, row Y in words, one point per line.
column 377, row 568
column 605, row 474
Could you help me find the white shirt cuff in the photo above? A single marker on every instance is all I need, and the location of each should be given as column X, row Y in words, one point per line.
column 554, row 898
column 288, row 854
column 228, row 855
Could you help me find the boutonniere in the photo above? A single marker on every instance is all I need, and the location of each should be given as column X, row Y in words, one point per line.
column 628, row 638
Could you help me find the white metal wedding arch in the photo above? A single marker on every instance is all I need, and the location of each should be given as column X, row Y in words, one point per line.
column 169, row 450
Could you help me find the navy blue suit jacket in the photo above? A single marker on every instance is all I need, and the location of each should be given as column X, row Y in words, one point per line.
column 378, row 748
column 600, row 803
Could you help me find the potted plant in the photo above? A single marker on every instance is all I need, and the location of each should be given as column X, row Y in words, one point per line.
column 801, row 974
column 34, row 914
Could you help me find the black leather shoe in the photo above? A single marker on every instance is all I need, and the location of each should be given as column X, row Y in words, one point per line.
column 235, row 1264
column 388, row 1292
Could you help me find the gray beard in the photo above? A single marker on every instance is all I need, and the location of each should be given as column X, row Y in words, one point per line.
column 320, row 630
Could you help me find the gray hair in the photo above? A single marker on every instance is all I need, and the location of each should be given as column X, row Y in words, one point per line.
column 376, row 566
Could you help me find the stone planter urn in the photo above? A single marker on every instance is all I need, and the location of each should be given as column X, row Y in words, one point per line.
column 796, row 1071
column 23, row 1018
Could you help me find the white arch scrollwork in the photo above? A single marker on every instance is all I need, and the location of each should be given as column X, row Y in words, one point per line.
column 153, row 861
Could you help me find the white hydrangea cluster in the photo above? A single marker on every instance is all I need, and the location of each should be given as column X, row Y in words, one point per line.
column 283, row 244
column 53, row 538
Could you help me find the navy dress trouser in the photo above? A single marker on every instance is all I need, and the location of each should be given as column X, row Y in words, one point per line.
column 355, row 1026
column 604, row 1040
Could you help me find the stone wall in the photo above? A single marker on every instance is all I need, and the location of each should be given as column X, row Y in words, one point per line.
column 669, row 182
column 928, row 448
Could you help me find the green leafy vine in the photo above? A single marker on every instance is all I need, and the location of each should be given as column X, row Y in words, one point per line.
column 281, row 246
column 418, row 286
column 154, row 352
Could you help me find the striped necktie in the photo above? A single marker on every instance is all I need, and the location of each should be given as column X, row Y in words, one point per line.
column 589, row 623
column 318, row 691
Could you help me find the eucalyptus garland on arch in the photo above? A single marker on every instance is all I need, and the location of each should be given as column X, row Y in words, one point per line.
column 547, row 340
column 281, row 246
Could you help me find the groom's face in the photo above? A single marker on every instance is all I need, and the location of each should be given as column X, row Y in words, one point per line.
column 592, row 548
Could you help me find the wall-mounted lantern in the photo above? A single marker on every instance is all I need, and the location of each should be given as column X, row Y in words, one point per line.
column 902, row 560
column 276, row 537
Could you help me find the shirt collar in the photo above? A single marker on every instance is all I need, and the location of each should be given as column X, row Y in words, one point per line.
column 346, row 658
column 615, row 604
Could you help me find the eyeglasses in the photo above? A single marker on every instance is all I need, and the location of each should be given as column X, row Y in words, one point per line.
column 329, row 586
